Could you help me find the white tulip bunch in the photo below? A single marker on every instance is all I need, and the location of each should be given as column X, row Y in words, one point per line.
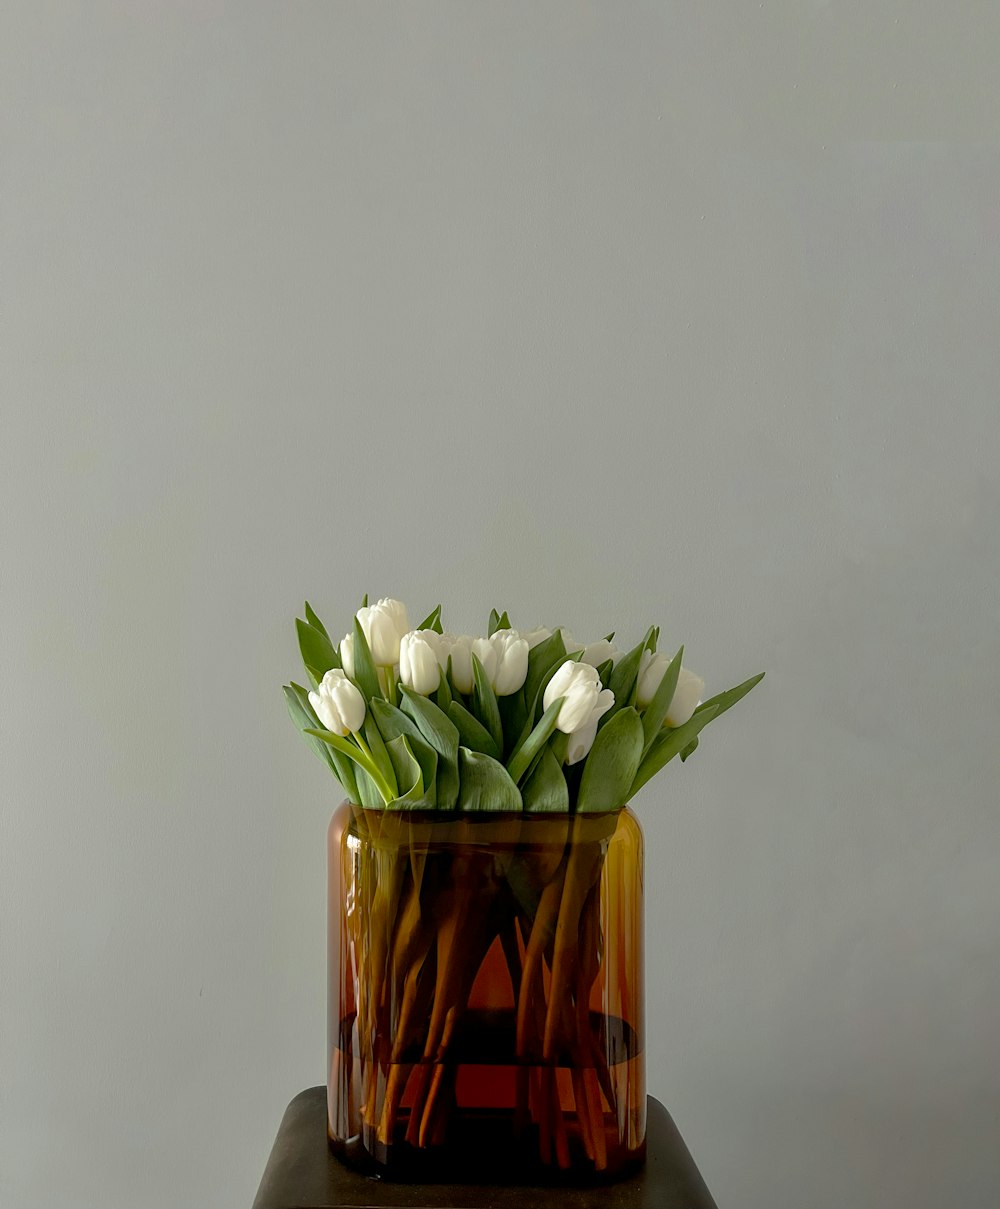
column 426, row 719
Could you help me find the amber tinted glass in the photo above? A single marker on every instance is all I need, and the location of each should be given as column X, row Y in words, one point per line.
column 486, row 994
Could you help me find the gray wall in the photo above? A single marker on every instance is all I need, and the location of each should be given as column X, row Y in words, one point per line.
column 607, row 314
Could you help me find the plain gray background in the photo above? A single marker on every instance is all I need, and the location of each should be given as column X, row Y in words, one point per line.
column 608, row 315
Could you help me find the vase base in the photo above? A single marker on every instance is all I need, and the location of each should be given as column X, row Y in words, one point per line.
column 483, row 1149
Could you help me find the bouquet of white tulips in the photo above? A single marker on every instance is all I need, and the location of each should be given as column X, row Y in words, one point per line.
column 420, row 719
column 419, row 724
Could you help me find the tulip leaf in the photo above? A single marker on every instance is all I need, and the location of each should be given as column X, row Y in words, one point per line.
column 493, row 624
column 611, row 766
column 438, row 730
column 415, row 763
column 365, row 675
column 376, row 745
column 624, row 675
column 513, row 717
column 314, row 621
column 521, row 760
column 668, row 744
column 728, row 699
column 432, row 621
column 364, row 761
column 364, row 602
column 546, row 790
column 318, row 652
column 443, row 694
column 304, row 717
column 690, row 749
column 543, row 659
column 485, row 784
column 368, row 792
column 484, row 702
column 656, row 711
column 609, row 637
column 472, row 732
column 604, row 671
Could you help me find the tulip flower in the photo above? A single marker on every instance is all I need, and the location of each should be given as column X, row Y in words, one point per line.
column 581, row 686
column 418, row 661
column 512, row 661
column 596, row 653
column 347, row 654
column 459, row 649
column 582, row 739
column 686, row 696
column 486, row 653
column 534, row 637
column 384, row 624
column 338, row 703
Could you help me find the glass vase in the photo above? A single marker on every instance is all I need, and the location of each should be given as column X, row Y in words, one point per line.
column 486, row 995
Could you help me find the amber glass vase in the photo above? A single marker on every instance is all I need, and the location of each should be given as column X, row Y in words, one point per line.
column 486, row 995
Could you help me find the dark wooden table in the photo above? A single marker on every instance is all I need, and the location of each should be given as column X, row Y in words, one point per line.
column 302, row 1174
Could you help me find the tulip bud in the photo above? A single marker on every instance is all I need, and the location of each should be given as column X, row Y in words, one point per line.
column 534, row 637
column 347, row 654
column 338, row 703
column 459, row 649
column 512, row 661
column 686, row 696
column 486, row 653
column 581, row 686
column 600, row 652
column 651, row 669
column 384, row 624
column 418, row 661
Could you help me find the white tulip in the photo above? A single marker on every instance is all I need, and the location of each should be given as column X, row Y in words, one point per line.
column 512, row 661
column 687, row 694
column 486, row 653
column 686, row 698
column 534, row 637
column 459, row 648
column 600, row 652
column 347, row 654
column 651, row 669
column 384, row 624
column 569, row 642
column 418, row 661
column 581, row 686
column 582, row 739
column 338, row 703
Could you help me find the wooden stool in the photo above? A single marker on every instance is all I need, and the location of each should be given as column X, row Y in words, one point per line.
column 302, row 1174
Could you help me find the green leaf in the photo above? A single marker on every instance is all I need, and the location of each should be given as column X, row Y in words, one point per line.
column 493, row 624
column 368, row 792
column 656, row 711
column 623, row 678
column 432, row 621
column 546, row 789
column 604, row 671
column 472, row 732
column 728, row 699
column 543, row 659
column 304, row 717
column 443, row 694
column 690, row 749
column 364, row 602
column 484, row 702
column 485, row 784
column 610, row 768
column 520, row 761
column 365, row 675
column 314, row 621
column 416, row 765
column 318, row 652
column 668, row 744
column 437, row 729
column 354, row 753
column 376, row 744
column 609, row 637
